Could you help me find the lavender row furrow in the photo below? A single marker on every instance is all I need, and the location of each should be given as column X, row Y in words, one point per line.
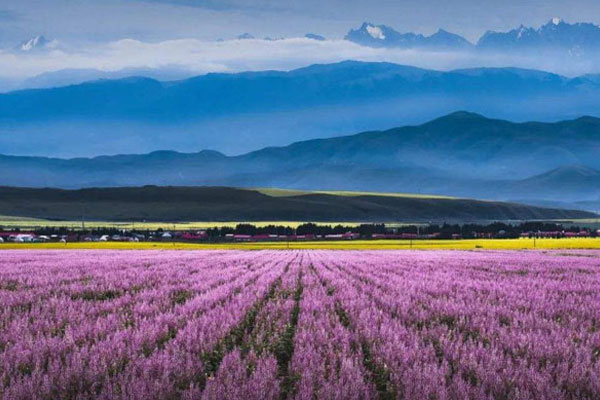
column 499, row 331
column 327, row 361
column 257, row 361
column 299, row 324
column 96, row 367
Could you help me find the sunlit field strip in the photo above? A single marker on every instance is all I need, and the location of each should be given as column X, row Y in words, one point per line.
column 489, row 244
column 10, row 222
column 33, row 223
column 274, row 192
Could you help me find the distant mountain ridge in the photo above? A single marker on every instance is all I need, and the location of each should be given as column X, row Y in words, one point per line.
column 383, row 36
column 582, row 182
column 237, row 113
column 461, row 154
column 556, row 35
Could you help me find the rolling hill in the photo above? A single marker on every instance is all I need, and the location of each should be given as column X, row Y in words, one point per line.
column 237, row 113
column 580, row 181
column 460, row 154
column 230, row 204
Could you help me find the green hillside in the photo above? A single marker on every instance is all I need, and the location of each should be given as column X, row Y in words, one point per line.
column 153, row 203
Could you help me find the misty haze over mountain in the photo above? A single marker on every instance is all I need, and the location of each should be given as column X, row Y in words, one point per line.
column 137, row 115
column 462, row 154
column 557, row 46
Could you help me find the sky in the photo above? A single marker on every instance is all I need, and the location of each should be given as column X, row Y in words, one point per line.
column 156, row 20
column 110, row 35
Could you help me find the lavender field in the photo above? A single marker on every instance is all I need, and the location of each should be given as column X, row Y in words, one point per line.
column 299, row 325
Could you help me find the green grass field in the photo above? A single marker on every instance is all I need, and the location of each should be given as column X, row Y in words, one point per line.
column 274, row 192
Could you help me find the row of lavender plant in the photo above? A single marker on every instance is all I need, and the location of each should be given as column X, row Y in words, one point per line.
column 96, row 358
column 303, row 325
column 327, row 362
column 256, row 365
column 483, row 325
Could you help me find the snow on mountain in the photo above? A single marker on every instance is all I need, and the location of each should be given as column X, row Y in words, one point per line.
column 556, row 35
column 36, row 43
column 383, row 36
column 376, row 32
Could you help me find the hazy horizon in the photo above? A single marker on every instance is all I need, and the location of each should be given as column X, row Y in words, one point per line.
column 174, row 39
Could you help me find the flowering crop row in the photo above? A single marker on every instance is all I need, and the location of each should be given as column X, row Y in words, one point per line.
column 299, row 325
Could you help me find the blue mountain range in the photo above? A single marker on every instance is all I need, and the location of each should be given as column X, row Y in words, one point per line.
column 237, row 113
column 462, row 154
column 383, row 36
column 556, row 35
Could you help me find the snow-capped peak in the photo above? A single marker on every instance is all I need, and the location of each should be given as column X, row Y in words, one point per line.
column 556, row 21
column 375, row 32
column 37, row 43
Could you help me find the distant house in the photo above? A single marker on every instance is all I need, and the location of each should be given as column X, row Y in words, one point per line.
column 200, row 235
column 24, row 238
column 345, row 236
column 409, row 236
column 18, row 237
column 260, row 237
column 242, row 238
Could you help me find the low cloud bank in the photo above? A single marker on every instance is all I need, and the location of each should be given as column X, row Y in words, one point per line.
column 192, row 57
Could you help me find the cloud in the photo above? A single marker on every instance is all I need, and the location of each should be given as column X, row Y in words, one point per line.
column 199, row 57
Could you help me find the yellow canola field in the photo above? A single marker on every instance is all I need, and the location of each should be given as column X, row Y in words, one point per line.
column 468, row 244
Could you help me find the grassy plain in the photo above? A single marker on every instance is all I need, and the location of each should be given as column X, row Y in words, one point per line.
column 33, row 223
column 25, row 223
column 275, row 192
column 468, row 244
